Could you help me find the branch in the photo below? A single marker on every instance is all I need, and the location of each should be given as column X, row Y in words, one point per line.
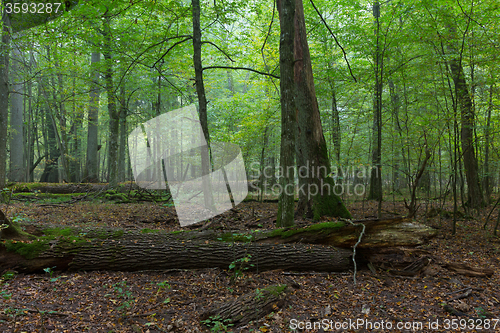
column 336, row 41
column 218, row 48
column 244, row 68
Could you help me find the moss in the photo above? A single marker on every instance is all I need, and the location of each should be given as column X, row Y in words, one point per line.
column 149, row 231
column 285, row 233
column 118, row 234
column 29, row 250
column 58, row 232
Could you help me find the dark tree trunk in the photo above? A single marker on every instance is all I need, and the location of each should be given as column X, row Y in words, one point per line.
column 133, row 255
column 286, row 204
column 202, row 105
column 467, row 115
column 487, row 141
column 92, row 165
column 51, row 172
column 316, row 188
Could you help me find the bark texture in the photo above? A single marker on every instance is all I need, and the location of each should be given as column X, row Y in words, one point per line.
column 17, row 161
column 144, row 254
column 316, row 190
column 4, row 97
column 92, row 168
column 286, row 204
column 467, row 118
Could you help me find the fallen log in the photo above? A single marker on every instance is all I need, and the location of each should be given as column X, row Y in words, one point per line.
column 246, row 308
column 321, row 247
column 134, row 255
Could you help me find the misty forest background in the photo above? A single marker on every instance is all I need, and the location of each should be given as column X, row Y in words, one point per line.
column 404, row 88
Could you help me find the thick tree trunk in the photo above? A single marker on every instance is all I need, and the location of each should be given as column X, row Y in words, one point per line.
column 316, row 189
column 17, row 161
column 114, row 117
column 133, row 255
column 92, row 167
column 307, row 248
column 286, row 205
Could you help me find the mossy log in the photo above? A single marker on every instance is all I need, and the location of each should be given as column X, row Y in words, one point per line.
column 319, row 247
column 134, row 255
column 246, row 308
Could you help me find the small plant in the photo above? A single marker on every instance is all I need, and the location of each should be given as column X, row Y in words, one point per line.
column 122, row 292
column 5, row 295
column 50, row 271
column 164, row 285
column 9, row 275
column 216, row 324
column 239, row 266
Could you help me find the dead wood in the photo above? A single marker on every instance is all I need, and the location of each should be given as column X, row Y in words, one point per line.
column 248, row 307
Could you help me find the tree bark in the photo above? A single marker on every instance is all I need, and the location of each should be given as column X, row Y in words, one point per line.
column 248, row 307
column 92, row 168
column 4, row 98
column 321, row 247
column 286, row 205
column 376, row 171
column 202, row 106
column 114, row 117
column 17, row 161
column 316, row 189
column 467, row 118
column 134, row 255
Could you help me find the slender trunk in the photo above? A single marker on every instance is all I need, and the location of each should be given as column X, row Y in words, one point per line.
column 286, row 204
column 487, row 139
column 4, row 98
column 202, row 106
column 317, row 195
column 92, row 168
column 376, row 171
column 122, row 152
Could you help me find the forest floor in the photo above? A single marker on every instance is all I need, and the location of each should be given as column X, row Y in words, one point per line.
column 171, row 301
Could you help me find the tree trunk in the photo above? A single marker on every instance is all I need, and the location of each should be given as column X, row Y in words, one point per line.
column 133, row 255
column 467, row 115
column 114, row 117
column 487, row 141
column 122, row 152
column 17, row 161
column 4, row 98
column 289, row 249
column 92, row 168
column 376, row 175
column 286, row 205
column 316, row 189
column 202, row 107
column 50, row 173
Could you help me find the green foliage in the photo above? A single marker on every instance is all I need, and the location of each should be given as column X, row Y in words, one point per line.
column 217, row 324
column 239, row 266
column 125, row 298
